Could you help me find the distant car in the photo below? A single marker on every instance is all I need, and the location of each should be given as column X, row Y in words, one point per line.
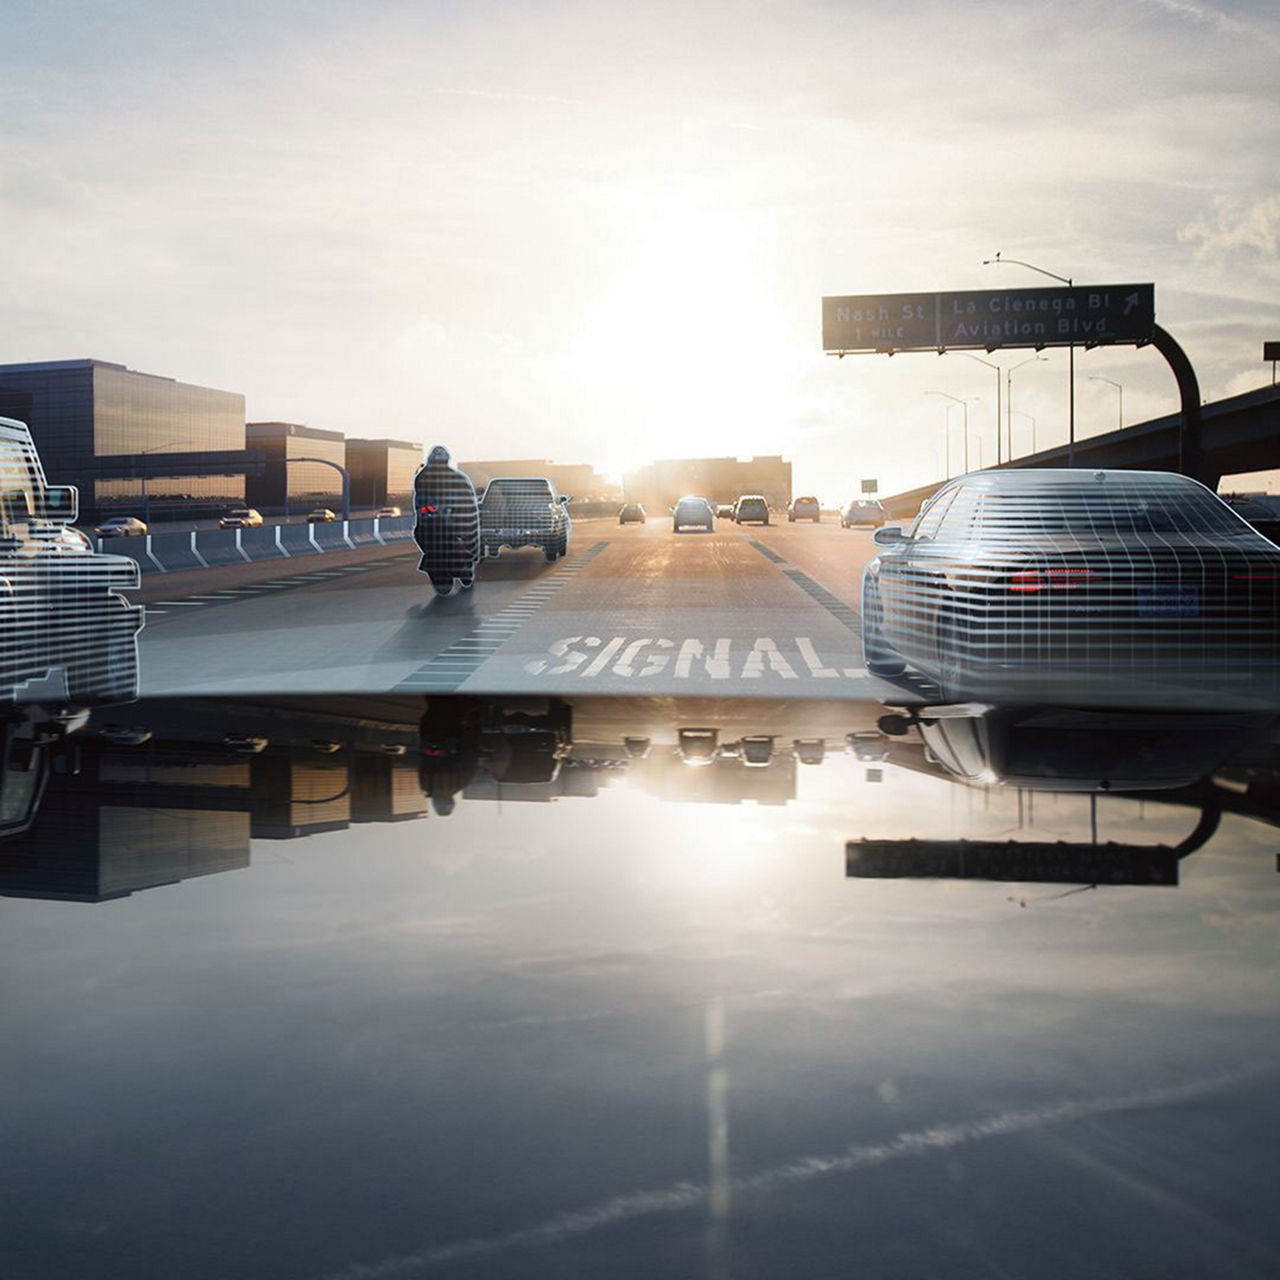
column 751, row 508
column 1264, row 518
column 1047, row 579
column 631, row 513
column 692, row 512
column 698, row 747
column 246, row 743
column 810, row 750
column 387, row 511
column 321, row 515
column 863, row 511
column 241, row 518
column 121, row 527
column 756, row 750
column 724, row 511
column 805, row 509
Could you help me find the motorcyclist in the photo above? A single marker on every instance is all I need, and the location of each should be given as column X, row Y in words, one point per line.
column 447, row 530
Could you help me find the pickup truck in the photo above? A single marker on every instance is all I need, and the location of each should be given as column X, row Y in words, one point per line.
column 60, row 601
column 524, row 512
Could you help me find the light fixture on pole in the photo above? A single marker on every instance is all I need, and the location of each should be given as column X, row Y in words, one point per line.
column 964, row 404
column 1094, row 377
column 142, row 453
column 1030, row 418
column 996, row 367
column 1071, row 349
column 1008, row 398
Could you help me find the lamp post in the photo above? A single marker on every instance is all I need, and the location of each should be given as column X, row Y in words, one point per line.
column 1031, row 419
column 964, row 404
column 1094, row 377
column 146, row 499
column 1008, row 399
column 998, row 370
column 1071, row 350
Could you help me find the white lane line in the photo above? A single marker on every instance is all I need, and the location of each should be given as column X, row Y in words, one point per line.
column 190, row 604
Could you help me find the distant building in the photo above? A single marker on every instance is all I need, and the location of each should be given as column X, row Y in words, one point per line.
column 382, row 471
column 577, row 479
column 661, row 484
column 130, row 442
column 299, row 484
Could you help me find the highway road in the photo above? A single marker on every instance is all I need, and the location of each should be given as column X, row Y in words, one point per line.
column 636, row 610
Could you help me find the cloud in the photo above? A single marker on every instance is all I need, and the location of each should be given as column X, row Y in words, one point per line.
column 1238, row 225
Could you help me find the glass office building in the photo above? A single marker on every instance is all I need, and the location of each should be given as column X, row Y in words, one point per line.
column 293, row 485
column 382, row 471
column 120, row 435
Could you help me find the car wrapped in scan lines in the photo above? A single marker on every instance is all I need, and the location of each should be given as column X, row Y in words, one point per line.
column 1008, row 581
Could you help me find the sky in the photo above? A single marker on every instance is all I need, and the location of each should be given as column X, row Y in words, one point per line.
column 601, row 231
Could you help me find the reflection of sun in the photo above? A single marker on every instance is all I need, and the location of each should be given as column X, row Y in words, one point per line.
column 683, row 349
column 717, row 845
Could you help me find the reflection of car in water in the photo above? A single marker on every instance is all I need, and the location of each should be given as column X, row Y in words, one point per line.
column 863, row 511
column 867, row 745
column 1063, row 575
column 524, row 512
column 447, row 525
column 756, row 749
column 515, row 742
column 698, row 747
column 809, row 750
column 806, row 508
column 1066, row 749
column 691, row 512
column 60, row 601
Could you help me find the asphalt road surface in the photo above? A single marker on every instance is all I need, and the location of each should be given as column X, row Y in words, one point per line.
column 634, row 609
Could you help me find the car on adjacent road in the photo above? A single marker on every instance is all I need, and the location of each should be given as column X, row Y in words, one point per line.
column 321, row 515
column 121, row 527
column 241, row 518
column 751, row 508
column 805, row 509
column 631, row 513
column 693, row 512
column 387, row 512
column 1042, row 580
column 863, row 511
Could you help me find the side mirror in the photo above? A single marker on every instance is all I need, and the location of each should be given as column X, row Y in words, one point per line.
column 565, row 499
column 890, row 535
column 59, row 504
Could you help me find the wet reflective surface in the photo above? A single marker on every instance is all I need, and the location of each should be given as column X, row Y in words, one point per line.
column 636, row 987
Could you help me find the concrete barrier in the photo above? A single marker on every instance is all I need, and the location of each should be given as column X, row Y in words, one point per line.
column 260, row 543
column 218, row 546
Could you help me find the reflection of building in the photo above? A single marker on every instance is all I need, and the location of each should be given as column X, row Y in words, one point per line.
column 303, row 483
column 661, row 484
column 129, row 440
column 725, row 780
column 382, row 471
column 579, row 480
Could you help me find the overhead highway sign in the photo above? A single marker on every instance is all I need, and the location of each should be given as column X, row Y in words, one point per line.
column 987, row 319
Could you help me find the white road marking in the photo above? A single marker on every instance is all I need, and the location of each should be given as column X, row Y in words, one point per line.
column 645, row 656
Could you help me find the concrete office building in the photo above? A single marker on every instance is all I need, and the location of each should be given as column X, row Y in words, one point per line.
column 132, row 443
column 662, row 484
column 578, row 479
column 295, row 485
column 382, row 471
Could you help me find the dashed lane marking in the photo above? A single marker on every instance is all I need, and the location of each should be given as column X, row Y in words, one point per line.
column 444, row 672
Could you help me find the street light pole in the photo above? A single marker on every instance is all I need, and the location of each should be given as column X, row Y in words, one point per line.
column 964, row 404
column 1008, row 400
column 146, row 500
column 1093, row 377
column 998, row 370
column 1032, row 420
column 1071, row 351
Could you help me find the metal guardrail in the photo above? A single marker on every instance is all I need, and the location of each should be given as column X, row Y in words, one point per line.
column 206, row 548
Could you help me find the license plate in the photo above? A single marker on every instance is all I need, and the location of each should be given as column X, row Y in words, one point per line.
column 1169, row 602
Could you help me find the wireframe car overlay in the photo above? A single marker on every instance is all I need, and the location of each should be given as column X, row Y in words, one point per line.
column 863, row 511
column 60, row 601
column 693, row 512
column 1022, row 583
column 524, row 512
column 447, row 529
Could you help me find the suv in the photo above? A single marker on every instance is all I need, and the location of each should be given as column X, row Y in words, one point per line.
column 751, row 507
column 524, row 512
column 863, row 511
column 805, row 509
column 693, row 511
column 60, row 602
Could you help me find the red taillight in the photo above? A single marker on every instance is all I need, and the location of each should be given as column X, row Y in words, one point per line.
column 1254, row 577
column 428, row 510
column 1028, row 580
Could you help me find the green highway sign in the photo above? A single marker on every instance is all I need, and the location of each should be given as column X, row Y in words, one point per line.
column 986, row 319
